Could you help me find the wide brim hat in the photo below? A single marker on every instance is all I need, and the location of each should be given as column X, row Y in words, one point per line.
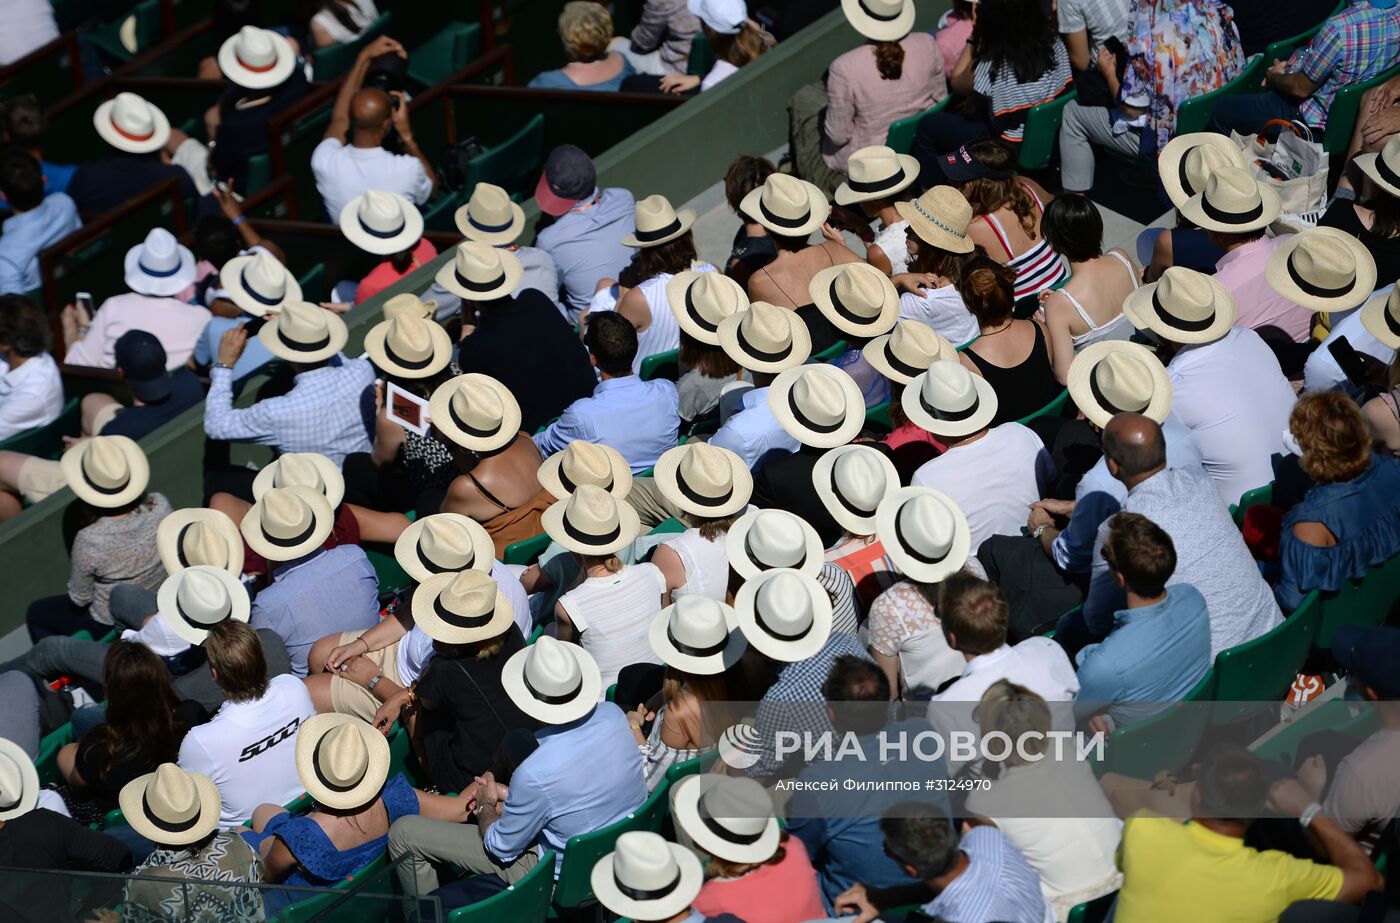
column 283, row 346
column 685, row 808
column 322, row 522
column 135, row 805
column 786, row 403
column 1381, row 318
column 855, row 520
column 852, row 191
column 680, row 296
column 108, row 130
column 75, row 465
column 181, row 622
column 1284, row 271
column 446, row 421
column 257, row 76
column 556, row 480
column 560, row 708
column 1383, row 167
column 310, row 739
column 690, row 498
column 657, row 223
column 825, row 291
column 884, row 352
column 879, row 26
column 1228, row 216
column 384, row 357
column 1147, row 309
column 438, row 622
column 332, row 481
column 381, row 243
column 140, row 279
column 496, row 234
column 562, row 527
column 408, row 551
column 747, row 564
column 504, row 278
column 784, row 648
column 931, row 218
column 675, row 897
column 24, row 774
column 1172, row 162
column 407, row 303
column 909, row 561
column 171, row 532
column 1091, row 396
column 802, row 224
column 749, row 356
column 232, row 282
column 925, row 415
column 698, row 662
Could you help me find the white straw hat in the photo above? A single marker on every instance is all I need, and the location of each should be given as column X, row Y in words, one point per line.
column 765, row 338
column 194, row 600
column 159, row 266
column 481, row 272
column 729, row 817
column 288, row 522
column 382, row 223
column 553, row 681
column 444, row 543
column 584, row 462
column 940, row 218
column 1183, row 306
column 907, row 351
column 1322, row 269
column 1383, row 167
column 342, row 760
column 490, row 216
column 948, row 400
column 818, row 405
column 409, row 303
column 876, row 173
column 171, row 807
column 19, row 781
column 851, row 480
column 302, row 469
column 787, row 206
column 704, row 480
column 106, row 471
column 476, row 412
column 658, row 223
column 408, row 346
column 698, row 635
column 767, row 539
column 924, row 533
column 1232, row 202
column 304, row 332
column 592, row 521
column 258, row 283
column 881, row 20
column 256, row 59
column 130, row 123
column 462, row 608
column 199, row 536
column 701, row 301
column 785, row 614
column 1188, row 161
column 1381, row 318
column 1116, row 376
column 646, row 878
column 857, row 298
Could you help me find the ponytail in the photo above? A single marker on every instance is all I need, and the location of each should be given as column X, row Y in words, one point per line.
column 889, row 58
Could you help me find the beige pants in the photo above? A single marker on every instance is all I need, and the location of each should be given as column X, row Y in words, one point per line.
column 653, row 509
column 427, row 842
column 39, row 477
column 349, row 698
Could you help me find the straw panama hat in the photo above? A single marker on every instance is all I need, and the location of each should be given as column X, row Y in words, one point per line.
column 646, row 878
column 704, row 480
column 171, row 807
column 159, row 266
column 948, row 400
column 490, row 217
column 1183, row 306
column 1188, row 161
column 1383, row 167
column 857, row 298
column 304, row 332
column 787, row 206
column 409, row 303
column 940, row 218
column 881, row 20
column 592, row 521
column 768, row 539
column 851, row 480
column 106, row 471
column 584, row 462
column 658, row 223
column 409, row 346
column 342, row 760
column 765, row 338
column 741, row 826
column 877, row 172
column 258, row 283
column 1381, row 318
column 924, row 532
column 19, row 781
column 197, row 598
column 444, row 543
column 1322, row 269
column 696, row 634
column 461, row 608
column 1115, row 376
column 907, row 351
column 256, row 59
column 481, row 272
column 382, row 223
column 476, row 412
column 199, row 536
column 818, row 405
column 701, row 301
column 130, row 123
column 553, row 681
column 785, row 614
column 1232, row 202
column 302, row 469
column 288, row 522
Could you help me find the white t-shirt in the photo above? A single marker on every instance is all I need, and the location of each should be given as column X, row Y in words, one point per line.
column 718, row 72
column 29, row 26
column 249, row 749
column 993, row 480
column 894, row 243
column 156, row 635
column 343, row 172
column 1321, row 372
column 361, row 12
column 30, row 395
column 943, row 310
column 613, row 614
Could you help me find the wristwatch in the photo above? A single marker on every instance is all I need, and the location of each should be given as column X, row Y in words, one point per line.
column 1308, row 814
column 1039, row 530
column 223, row 365
column 374, row 682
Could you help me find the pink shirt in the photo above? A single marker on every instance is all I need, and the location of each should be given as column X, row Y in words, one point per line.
column 175, row 323
column 861, row 105
column 951, row 39
column 1256, row 303
column 384, row 275
column 782, row 893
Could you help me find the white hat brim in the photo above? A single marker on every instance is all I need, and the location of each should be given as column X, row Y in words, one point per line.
column 685, row 808
column 331, row 477
column 800, row 352
column 440, row 413
column 1081, row 389
column 551, row 478
column 1373, row 318
column 1194, row 211
column 605, row 888
column 427, row 617
column 1170, row 161
column 374, row 346
column 677, row 294
column 132, row 801
column 511, row 275
column 323, row 523
column 28, row 778
column 138, row 467
column 1142, row 314
column 824, row 482
column 818, row 210
column 309, row 736
column 909, row 164
column 820, row 290
column 584, row 701
column 685, row 219
column 912, row 403
column 881, row 30
column 168, row 604
column 876, row 353
column 356, row 233
column 887, row 528
column 1367, row 164
column 1276, row 273
column 708, row 665
column 781, row 649
column 257, row 80
column 143, row 283
column 336, row 336
column 173, row 526
column 667, row 476
column 107, row 130
column 629, row 527
column 462, row 218
column 736, row 548
column 231, row 281
column 780, row 404
column 409, row 556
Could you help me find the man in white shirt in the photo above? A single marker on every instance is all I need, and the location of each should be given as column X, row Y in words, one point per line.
column 31, row 392
column 1322, row 373
column 29, row 26
column 344, row 171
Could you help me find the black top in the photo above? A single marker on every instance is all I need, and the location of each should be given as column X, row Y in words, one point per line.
column 137, row 422
column 525, row 343
column 466, row 712
column 748, row 255
column 243, row 126
column 101, row 185
column 44, row 839
column 1264, row 21
column 784, row 482
column 1386, row 250
column 1022, row 389
column 103, row 788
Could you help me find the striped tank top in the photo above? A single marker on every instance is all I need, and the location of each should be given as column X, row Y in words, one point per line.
column 1039, row 268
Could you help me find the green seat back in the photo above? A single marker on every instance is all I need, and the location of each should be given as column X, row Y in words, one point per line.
column 665, row 365
column 340, row 907
column 691, row 767
column 444, row 54
column 512, row 162
column 259, row 174
column 1284, row 47
column 835, row 350
column 1050, row 409
column 313, row 284
column 702, row 56
column 672, row 526
column 1162, row 742
column 440, row 213
column 1043, row 131
column 1193, row 114
column 574, row 889
column 879, row 417
column 527, row 550
column 900, row 137
column 330, row 62
column 1361, row 602
column 1332, row 715
column 1095, row 911
column 107, row 36
column 1253, row 497
column 47, row 441
column 46, row 761
column 1341, row 117
column 526, row 900
column 1261, row 670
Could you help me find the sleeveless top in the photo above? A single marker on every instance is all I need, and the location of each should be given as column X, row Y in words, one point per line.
column 705, row 562
column 1039, row 268
column 659, row 756
column 1120, row 328
column 1022, row 389
column 512, row 525
column 663, row 334
column 613, row 615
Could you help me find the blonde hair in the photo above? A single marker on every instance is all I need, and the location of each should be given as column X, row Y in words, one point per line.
column 587, row 29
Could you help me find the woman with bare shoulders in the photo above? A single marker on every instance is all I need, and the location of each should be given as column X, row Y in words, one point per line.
column 1012, row 354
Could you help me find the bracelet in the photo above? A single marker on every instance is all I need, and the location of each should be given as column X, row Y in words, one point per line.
column 366, row 643
column 223, row 365
column 239, row 220
column 1308, row 814
column 374, row 682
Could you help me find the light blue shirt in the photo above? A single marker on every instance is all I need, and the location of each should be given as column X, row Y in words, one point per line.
column 640, row 419
column 584, row 776
column 752, row 432
column 319, row 594
column 29, row 232
column 206, row 348
column 586, row 245
column 998, row 885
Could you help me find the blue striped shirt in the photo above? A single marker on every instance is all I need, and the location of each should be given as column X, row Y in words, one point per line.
column 998, row 885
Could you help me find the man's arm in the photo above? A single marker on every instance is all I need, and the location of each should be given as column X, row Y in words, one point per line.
column 1312, row 65
column 650, row 30
column 399, row 116
column 510, row 828
column 221, row 419
column 840, row 109
column 92, row 851
column 561, row 432
column 1359, row 875
column 339, row 125
column 1077, row 44
column 1296, row 86
column 1105, row 597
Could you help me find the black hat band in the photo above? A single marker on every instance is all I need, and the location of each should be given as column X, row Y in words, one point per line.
column 764, row 565
column 489, row 228
column 301, row 347
column 159, row 273
column 845, row 312
column 467, row 428
column 289, row 542
column 567, row 483
column 640, row 894
column 321, row 777
column 578, row 535
column 200, row 623
column 882, row 17
column 845, row 503
column 909, row 548
column 691, row 650
column 879, row 185
column 1386, row 173
column 413, row 364
column 382, row 235
column 471, row 286
column 434, row 567
column 1103, row 400
column 162, row 824
column 755, row 352
column 1224, row 217
column 1171, row 320
column 647, row 237
column 1391, row 323
column 550, row 699
column 258, row 296
column 899, row 365
column 723, row 832
column 699, row 319
column 782, row 222
column 457, row 620
column 807, row 422
column 949, row 416
column 108, row 491
column 1317, row 291
column 694, row 496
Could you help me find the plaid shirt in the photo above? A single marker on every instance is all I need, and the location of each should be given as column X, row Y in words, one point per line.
column 1351, row 47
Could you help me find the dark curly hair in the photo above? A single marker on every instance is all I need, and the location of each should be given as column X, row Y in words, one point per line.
column 1015, row 34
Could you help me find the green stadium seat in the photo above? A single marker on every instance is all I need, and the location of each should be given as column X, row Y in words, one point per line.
column 444, row 54
column 672, row 526
column 1194, row 113
column 46, row 761
column 47, row 441
column 665, row 365
column 1262, row 670
column 330, row 62
column 313, row 284
column 148, row 30
column 1095, row 911
column 339, row 906
column 527, row 550
column 259, row 174
column 1254, row 497
column 1051, row 409
column 573, row 889
column 900, row 137
column 440, row 213
column 1332, row 715
column 1043, row 132
column 1361, row 602
column 834, row 351
column 512, row 162
column 1162, row 742
column 1341, row 117
column 1281, row 49
column 611, row 694
column 526, row 900
column 691, row 767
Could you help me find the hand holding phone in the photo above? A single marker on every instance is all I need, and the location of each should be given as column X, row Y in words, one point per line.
column 1349, row 361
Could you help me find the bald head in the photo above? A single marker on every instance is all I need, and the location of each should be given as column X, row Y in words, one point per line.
column 369, row 113
column 1134, row 447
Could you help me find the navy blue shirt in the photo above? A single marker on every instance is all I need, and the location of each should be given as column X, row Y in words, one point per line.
column 101, row 185
column 136, row 422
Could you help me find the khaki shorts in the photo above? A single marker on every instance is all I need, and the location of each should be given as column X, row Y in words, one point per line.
column 349, row 698
column 105, row 415
column 39, row 477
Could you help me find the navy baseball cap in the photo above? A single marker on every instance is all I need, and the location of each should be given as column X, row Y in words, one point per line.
column 1372, row 655
column 141, row 359
column 960, row 166
column 568, row 179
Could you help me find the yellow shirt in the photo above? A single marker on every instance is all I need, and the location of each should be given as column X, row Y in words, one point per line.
column 1177, row 872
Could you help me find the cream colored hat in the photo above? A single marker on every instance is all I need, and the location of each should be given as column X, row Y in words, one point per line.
column 880, row 20
column 171, row 807
column 1188, row 161
column 444, row 543
column 130, row 123
column 409, row 303
column 553, row 681
column 907, row 351
column 940, row 218
column 409, row 346
column 702, row 300
column 948, row 400
column 490, row 217
column 729, row 817
column 258, row 283
column 341, row 760
column 1232, row 202
column 584, row 462
column 704, row 480
column 768, row 539
column 481, row 272
column 288, row 522
column 304, row 332
column 877, row 172
column 658, row 223
column 257, row 58
column 194, row 600
column 1381, row 318
column 462, row 608
column 592, row 521
column 857, row 298
column 1115, row 376
column 199, row 536
column 646, row 878
column 1383, row 167
column 106, row 471
column 765, row 338
column 1322, row 269
column 19, row 781
column 302, row 469
column 382, row 223
column 476, row 412
column 787, row 206
column 697, row 635
column 1183, row 306
column 851, row 480
column 924, row 533
column 785, row 614
column 818, row 405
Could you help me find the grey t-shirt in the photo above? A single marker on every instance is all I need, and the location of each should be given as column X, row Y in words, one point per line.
column 1101, row 18
column 1366, row 792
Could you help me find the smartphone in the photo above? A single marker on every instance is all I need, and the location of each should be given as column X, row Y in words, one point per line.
column 1349, row 361
column 84, row 301
column 254, row 325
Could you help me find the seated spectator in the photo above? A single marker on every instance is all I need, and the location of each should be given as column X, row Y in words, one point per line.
column 753, row 248
column 1322, row 372
column 710, row 488
column 901, row 356
column 735, row 40
column 1184, row 167
column 32, row 28
column 22, row 124
column 881, row 175
column 229, row 17
column 1159, row 646
column 586, row 29
column 31, row 392
column 490, row 217
column 158, row 395
column 37, row 221
column 763, row 540
column 851, row 481
column 700, row 301
column 1344, row 524
column 1018, row 365
column 159, row 271
column 938, row 246
column 339, row 22
column 1374, row 217
column 1320, row 270
column 660, row 41
column 267, row 76
column 388, row 225
column 246, row 280
column 752, row 338
column 1380, row 318
column 953, row 32
column 647, row 878
column 352, row 159
column 1086, row 27
column 143, row 139
column 637, row 418
column 247, row 748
